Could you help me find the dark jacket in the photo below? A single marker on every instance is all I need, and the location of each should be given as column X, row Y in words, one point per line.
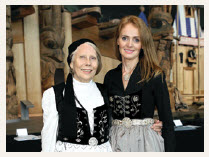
column 145, row 97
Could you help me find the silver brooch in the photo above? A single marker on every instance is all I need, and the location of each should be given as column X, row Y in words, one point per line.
column 127, row 122
column 65, row 138
column 78, row 140
column 93, row 141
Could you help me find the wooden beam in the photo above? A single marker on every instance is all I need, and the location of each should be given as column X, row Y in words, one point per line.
column 19, row 65
column 105, row 46
column 198, row 12
column 189, row 68
column 194, row 95
column 17, row 31
column 94, row 11
column 107, row 33
column 22, row 12
column 109, row 24
column 32, row 61
column 84, row 21
column 107, row 29
column 177, row 33
column 67, row 24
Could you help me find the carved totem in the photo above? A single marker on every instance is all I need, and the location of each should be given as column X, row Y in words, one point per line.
column 11, row 98
column 51, row 43
column 160, row 21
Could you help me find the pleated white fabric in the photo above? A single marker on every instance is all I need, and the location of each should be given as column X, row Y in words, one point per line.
column 69, row 147
column 135, row 139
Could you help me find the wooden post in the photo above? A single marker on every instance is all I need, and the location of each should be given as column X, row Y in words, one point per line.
column 51, row 43
column 19, row 63
column 32, row 60
column 198, row 11
column 11, row 98
column 177, row 30
column 67, row 23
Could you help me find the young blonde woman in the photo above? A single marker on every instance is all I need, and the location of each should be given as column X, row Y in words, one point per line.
column 135, row 88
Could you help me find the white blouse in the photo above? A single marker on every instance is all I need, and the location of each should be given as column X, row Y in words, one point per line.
column 90, row 97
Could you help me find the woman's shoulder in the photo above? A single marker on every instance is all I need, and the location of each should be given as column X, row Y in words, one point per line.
column 158, row 78
column 159, row 75
column 48, row 101
column 114, row 71
column 101, row 86
column 48, row 91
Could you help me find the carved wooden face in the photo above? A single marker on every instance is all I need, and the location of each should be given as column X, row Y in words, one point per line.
column 160, row 24
column 52, row 55
column 52, row 42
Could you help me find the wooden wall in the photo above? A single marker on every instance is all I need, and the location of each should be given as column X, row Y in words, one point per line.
column 187, row 77
column 27, row 61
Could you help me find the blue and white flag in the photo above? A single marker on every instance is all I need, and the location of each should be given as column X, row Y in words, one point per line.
column 187, row 26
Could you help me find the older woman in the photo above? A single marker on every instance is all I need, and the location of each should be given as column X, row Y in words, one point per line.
column 75, row 114
column 135, row 88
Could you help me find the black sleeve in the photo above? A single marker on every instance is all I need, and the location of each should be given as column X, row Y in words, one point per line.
column 162, row 102
column 107, row 83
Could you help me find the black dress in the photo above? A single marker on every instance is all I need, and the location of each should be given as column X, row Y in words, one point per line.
column 138, row 101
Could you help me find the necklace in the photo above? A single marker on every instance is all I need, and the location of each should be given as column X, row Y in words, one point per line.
column 126, row 77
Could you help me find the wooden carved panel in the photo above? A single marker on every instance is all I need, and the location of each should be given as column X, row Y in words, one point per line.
column 11, row 98
column 160, row 21
column 51, row 43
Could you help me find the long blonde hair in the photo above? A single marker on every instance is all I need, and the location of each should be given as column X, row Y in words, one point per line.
column 148, row 61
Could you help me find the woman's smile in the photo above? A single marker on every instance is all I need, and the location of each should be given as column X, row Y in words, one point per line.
column 128, row 51
column 87, row 71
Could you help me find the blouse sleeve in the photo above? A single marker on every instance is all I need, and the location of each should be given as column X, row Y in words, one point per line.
column 50, row 121
column 162, row 102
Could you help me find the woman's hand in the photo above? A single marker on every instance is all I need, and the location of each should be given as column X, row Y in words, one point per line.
column 157, row 126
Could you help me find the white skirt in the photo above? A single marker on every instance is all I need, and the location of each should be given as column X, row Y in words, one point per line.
column 137, row 138
column 70, row 147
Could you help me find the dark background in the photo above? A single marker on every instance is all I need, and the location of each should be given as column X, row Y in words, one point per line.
column 110, row 12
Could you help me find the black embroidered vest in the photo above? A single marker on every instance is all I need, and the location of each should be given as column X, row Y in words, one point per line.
column 84, row 136
column 126, row 106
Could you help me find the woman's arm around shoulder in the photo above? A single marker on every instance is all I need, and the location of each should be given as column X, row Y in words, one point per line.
column 162, row 102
